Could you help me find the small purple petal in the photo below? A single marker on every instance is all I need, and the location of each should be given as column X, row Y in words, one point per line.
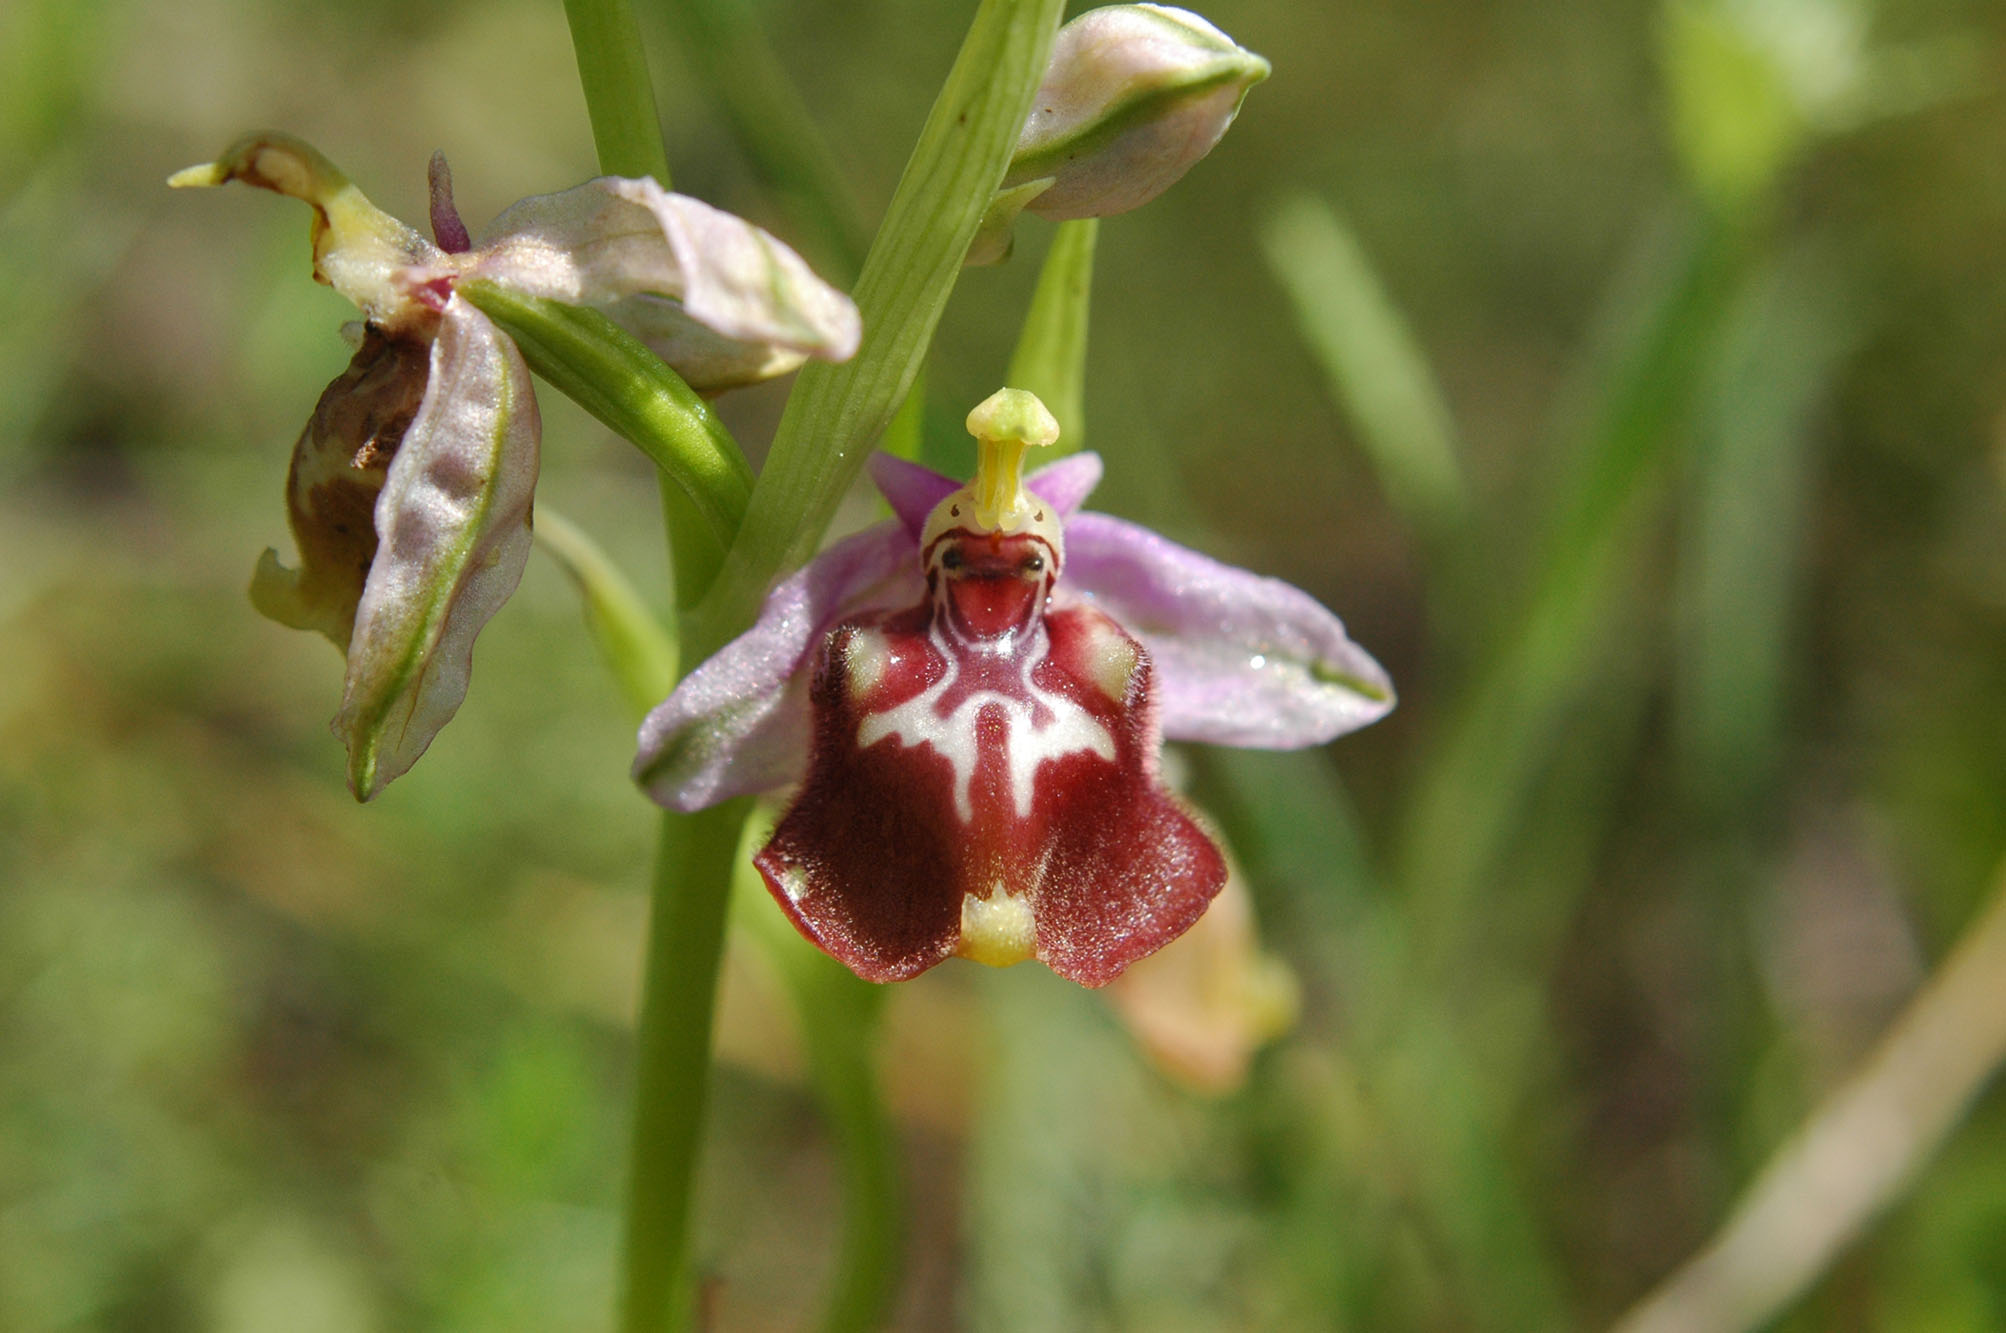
column 1067, row 483
column 707, row 360
column 913, row 491
column 1240, row 659
column 739, row 723
column 615, row 237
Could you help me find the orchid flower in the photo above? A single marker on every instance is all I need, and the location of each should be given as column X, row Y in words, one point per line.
column 410, row 491
column 972, row 697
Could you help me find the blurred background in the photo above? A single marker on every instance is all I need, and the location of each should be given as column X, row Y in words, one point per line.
column 1630, row 378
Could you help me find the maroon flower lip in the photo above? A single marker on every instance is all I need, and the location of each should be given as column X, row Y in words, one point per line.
column 922, row 831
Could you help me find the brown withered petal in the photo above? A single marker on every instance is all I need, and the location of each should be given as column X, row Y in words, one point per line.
column 338, row 467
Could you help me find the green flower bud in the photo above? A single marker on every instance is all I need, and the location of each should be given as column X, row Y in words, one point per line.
column 1135, row 94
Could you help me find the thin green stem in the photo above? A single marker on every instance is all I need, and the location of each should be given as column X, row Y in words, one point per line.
column 840, row 1026
column 744, row 79
column 1511, row 716
column 905, row 437
column 1375, row 366
column 613, row 375
column 638, row 651
column 833, row 415
column 840, row 1021
column 672, row 1058
column 693, row 864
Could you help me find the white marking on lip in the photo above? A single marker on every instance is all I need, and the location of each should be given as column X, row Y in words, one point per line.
column 1027, row 743
column 1111, row 659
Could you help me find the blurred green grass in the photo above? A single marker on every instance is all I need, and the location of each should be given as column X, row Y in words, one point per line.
column 1714, row 665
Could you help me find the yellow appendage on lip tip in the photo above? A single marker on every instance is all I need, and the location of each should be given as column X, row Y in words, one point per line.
column 357, row 247
column 1004, row 425
column 997, row 931
column 279, row 163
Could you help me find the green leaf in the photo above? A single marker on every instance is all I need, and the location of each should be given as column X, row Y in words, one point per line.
column 905, row 437
column 619, row 97
column 1505, row 726
column 1744, row 526
column 837, row 412
column 1377, row 370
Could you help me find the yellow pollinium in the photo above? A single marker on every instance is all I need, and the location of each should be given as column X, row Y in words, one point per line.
column 1004, row 425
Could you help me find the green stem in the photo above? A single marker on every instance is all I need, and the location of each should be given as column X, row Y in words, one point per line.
column 840, row 1026
column 693, row 864
column 1512, row 716
column 905, row 437
column 833, row 415
column 619, row 97
column 840, row 1019
column 638, row 651
column 1375, row 366
column 693, row 868
column 729, row 54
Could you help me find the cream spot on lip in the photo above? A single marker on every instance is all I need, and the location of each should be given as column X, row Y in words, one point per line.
column 1111, row 661
column 867, row 660
column 793, row 883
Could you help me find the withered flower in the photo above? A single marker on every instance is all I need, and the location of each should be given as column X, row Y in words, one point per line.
column 410, row 491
